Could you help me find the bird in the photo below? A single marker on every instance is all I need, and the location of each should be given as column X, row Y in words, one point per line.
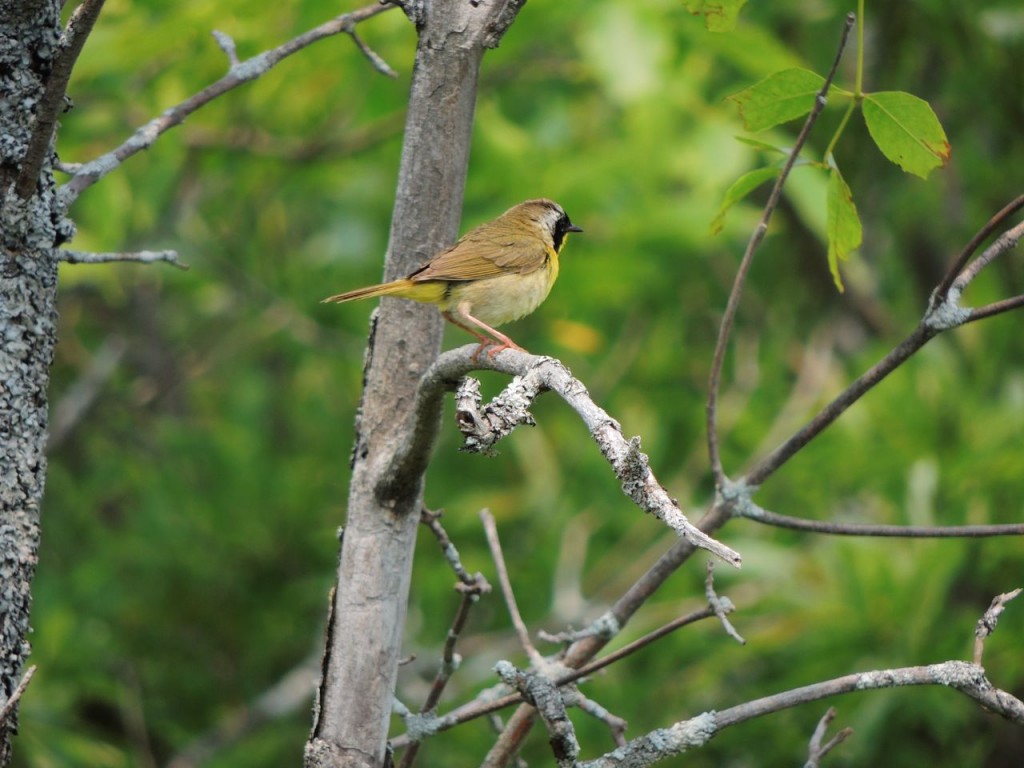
column 497, row 272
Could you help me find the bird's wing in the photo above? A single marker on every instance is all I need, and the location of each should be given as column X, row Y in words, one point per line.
column 479, row 255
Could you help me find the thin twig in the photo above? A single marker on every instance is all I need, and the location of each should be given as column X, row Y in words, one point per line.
column 759, row 515
column 720, row 605
column 636, row 645
column 226, row 44
column 250, row 69
column 615, row 724
column 725, row 329
column 432, row 520
column 71, row 43
column 987, row 623
column 996, row 308
column 815, row 749
column 926, row 330
column 773, row 461
column 372, row 56
column 491, row 530
column 1002, row 244
column 139, row 257
column 942, row 291
column 19, row 690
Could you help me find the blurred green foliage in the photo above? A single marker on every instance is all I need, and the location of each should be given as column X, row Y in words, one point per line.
column 191, row 513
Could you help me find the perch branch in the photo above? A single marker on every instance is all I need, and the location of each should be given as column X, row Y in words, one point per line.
column 486, row 426
column 89, row 173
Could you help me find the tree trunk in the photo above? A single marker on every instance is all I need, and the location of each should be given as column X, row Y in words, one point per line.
column 32, row 224
column 365, row 630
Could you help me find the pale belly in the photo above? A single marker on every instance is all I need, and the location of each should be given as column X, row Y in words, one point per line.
column 502, row 299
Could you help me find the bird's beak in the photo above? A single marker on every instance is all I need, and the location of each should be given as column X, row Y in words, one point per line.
column 574, row 228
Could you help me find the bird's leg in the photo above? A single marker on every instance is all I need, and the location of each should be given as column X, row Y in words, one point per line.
column 498, row 340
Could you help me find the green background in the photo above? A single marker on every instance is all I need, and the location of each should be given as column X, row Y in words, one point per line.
column 191, row 514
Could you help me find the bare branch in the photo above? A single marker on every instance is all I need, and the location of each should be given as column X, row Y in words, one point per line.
column 543, row 694
column 489, row 424
column 15, row 697
column 967, row 678
column 987, row 623
column 760, row 515
column 941, row 315
column 1002, row 244
column 714, row 379
column 942, row 291
column 857, row 389
column 995, row 308
column 72, row 41
column 720, row 605
column 139, row 257
column 815, row 750
column 372, row 56
column 240, row 73
column 475, row 582
column 488, row 704
column 491, row 529
column 615, row 723
column 636, row 645
column 227, row 44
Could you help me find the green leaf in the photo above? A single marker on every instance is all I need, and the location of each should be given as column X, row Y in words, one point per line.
column 739, row 189
column 843, row 224
column 907, row 131
column 719, row 15
column 780, row 97
column 763, row 146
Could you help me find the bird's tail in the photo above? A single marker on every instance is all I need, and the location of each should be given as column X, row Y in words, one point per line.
column 395, row 288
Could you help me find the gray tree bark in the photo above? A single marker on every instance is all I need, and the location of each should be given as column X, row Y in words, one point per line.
column 32, row 224
column 364, row 638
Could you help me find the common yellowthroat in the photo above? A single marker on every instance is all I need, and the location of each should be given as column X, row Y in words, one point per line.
column 498, row 272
